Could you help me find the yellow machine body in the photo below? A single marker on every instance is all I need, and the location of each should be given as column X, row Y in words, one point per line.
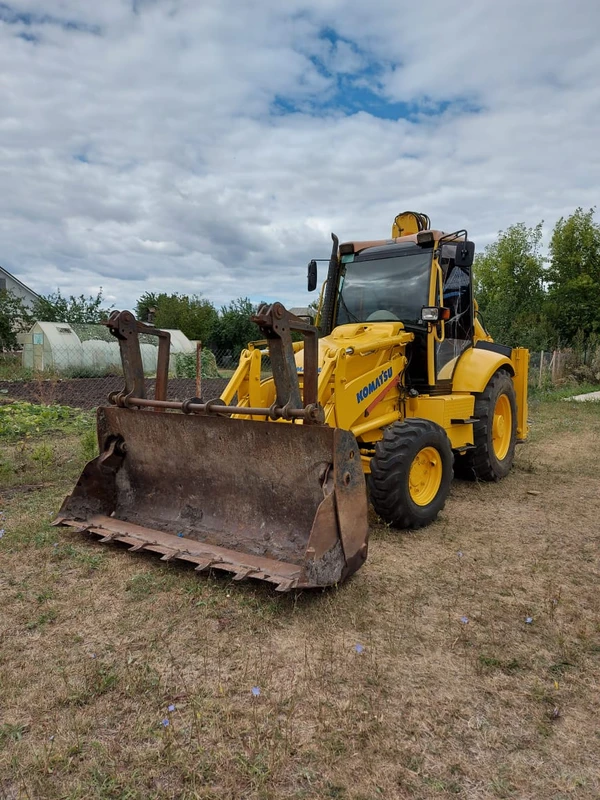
column 362, row 366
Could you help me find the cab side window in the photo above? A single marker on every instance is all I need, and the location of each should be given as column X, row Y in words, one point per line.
column 459, row 328
column 457, row 297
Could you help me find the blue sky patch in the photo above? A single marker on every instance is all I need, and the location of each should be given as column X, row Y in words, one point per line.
column 361, row 90
column 12, row 16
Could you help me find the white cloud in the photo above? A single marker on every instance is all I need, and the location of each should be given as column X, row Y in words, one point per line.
column 155, row 148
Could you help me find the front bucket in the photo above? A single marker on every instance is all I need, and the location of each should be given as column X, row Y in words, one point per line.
column 282, row 502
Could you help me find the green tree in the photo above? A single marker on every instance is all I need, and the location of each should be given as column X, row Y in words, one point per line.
column 56, row 308
column 509, row 287
column 574, row 276
column 234, row 328
column 146, row 307
column 14, row 318
column 194, row 316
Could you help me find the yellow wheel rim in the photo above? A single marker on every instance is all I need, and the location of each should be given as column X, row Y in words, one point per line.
column 425, row 476
column 502, row 427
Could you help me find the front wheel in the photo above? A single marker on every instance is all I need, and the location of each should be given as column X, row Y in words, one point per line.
column 411, row 473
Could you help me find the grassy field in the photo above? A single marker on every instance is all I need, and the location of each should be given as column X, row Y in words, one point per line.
column 461, row 661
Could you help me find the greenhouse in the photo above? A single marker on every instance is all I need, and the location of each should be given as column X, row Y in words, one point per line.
column 86, row 351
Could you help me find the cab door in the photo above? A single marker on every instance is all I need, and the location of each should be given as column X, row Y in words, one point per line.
column 457, row 296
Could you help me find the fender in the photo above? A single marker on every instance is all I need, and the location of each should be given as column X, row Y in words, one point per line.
column 475, row 368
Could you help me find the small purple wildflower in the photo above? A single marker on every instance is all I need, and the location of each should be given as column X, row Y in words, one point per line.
column 528, row 620
column 359, row 648
column 460, row 554
column 165, row 723
column 464, row 620
column 171, row 707
column 256, row 691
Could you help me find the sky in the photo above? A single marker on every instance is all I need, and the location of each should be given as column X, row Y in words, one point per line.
column 211, row 147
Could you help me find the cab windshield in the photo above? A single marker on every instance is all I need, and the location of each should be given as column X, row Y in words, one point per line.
column 385, row 284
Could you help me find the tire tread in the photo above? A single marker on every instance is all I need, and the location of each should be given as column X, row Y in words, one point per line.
column 478, row 461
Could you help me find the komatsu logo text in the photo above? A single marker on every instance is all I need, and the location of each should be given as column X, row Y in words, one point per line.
column 386, row 374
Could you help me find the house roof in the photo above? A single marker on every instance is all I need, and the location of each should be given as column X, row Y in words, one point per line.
column 302, row 311
column 8, row 274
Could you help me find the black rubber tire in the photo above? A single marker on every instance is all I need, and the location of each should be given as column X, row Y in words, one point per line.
column 390, row 468
column 481, row 463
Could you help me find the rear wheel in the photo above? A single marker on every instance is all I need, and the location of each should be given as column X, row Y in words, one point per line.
column 495, row 433
column 411, row 473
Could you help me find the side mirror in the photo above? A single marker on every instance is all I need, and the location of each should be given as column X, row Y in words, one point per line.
column 465, row 253
column 312, row 275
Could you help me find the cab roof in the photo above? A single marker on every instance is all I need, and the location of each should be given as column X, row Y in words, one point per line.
column 357, row 247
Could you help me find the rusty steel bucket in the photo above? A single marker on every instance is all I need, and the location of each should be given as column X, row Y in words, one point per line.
column 277, row 501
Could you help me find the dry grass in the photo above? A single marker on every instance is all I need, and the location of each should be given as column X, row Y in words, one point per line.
column 97, row 643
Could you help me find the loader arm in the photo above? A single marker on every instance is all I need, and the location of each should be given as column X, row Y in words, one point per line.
column 277, row 324
column 124, row 327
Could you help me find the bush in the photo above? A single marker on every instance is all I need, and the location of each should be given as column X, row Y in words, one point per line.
column 581, row 374
column 11, row 368
column 14, row 317
column 595, row 363
column 185, row 365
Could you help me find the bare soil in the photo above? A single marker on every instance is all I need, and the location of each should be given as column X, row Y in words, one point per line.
column 89, row 393
column 462, row 661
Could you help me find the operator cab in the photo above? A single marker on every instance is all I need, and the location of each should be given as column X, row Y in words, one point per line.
column 394, row 281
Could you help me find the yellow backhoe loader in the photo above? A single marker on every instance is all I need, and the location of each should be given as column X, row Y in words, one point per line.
column 396, row 387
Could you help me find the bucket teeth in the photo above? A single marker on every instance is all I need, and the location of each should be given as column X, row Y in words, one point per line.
column 108, row 538
column 245, row 572
column 136, row 547
column 206, row 563
column 171, row 555
column 286, row 585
